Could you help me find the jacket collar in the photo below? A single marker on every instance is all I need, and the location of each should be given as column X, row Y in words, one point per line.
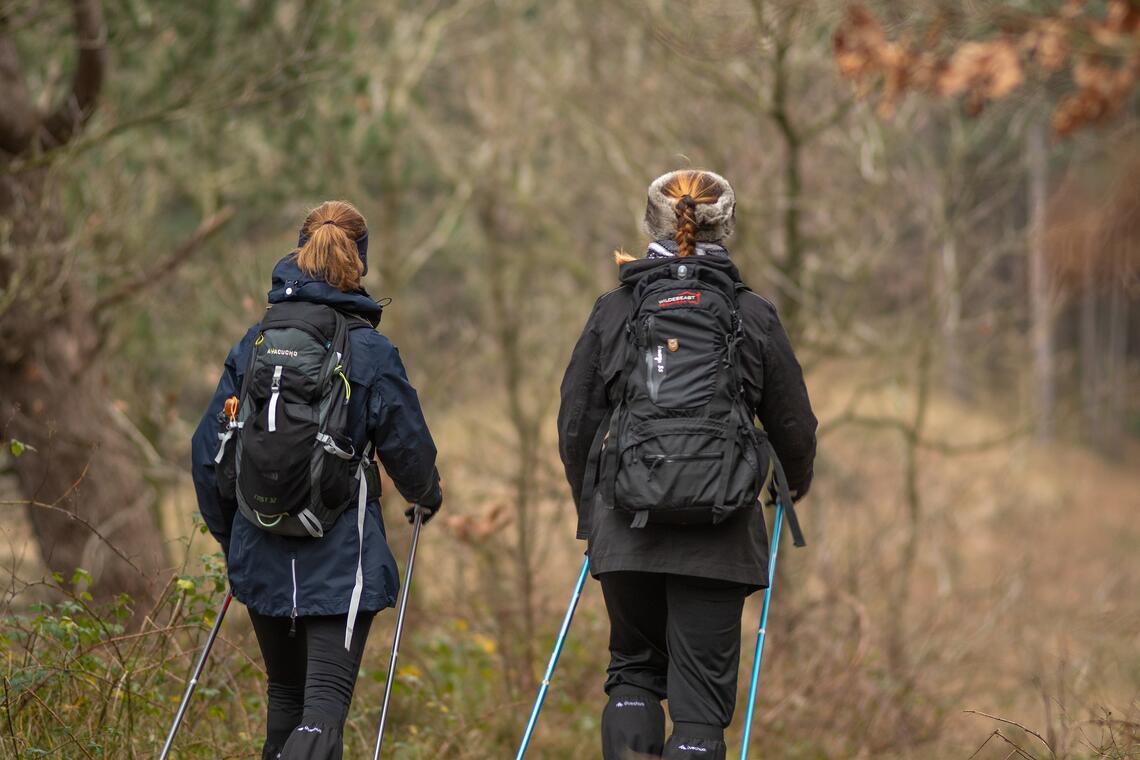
column 666, row 248
column 291, row 284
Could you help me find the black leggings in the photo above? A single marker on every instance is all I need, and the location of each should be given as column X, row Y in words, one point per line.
column 674, row 637
column 311, row 678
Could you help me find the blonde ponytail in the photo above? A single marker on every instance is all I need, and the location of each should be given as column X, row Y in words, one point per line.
column 330, row 252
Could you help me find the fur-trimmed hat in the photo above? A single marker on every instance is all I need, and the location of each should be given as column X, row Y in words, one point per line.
column 715, row 221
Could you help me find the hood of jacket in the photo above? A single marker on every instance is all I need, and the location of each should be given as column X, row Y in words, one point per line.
column 291, row 284
column 629, row 273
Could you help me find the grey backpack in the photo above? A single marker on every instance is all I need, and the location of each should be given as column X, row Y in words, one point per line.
column 292, row 467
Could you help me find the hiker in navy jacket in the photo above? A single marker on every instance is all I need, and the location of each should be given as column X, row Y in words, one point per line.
column 675, row 593
column 299, row 590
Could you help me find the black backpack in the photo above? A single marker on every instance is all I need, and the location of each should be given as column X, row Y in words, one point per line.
column 681, row 446
column 292, row 466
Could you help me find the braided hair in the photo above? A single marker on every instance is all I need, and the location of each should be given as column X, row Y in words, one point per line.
column 686, row 209
column 690, row 188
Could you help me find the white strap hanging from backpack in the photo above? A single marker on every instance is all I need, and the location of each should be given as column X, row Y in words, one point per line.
column 358, row 587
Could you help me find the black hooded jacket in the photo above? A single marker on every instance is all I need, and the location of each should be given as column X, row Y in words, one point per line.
column 736, row 549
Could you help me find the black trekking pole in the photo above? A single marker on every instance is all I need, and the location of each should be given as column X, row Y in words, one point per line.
column 197, row 673
column 419, row 521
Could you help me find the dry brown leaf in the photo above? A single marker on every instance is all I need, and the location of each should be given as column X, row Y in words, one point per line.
column 991, row 68
column 859, row 43
column 1123, row 17
column 1049, row 44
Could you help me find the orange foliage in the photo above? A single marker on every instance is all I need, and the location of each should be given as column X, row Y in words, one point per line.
column 1103, row 54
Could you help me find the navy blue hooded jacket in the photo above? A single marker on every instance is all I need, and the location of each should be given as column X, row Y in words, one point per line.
column 280, row 575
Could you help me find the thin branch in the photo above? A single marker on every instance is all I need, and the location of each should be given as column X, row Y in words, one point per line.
column 256, row 93
column 1029, row 731
column 976, row 447
column 908, row 432
column 448, row 221
column 63, row 725
column 825, row 123
column 71, row 515
column 165, row 267
column 877, row 423
column 46, row 157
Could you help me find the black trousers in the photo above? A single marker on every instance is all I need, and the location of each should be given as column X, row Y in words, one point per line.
column 672, row 637
column 311, row 678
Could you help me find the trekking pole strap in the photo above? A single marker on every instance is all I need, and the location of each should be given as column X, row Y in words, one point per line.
column 593, row 462
column 784, row 497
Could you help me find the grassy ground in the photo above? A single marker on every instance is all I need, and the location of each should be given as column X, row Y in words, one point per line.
column 1019, row 602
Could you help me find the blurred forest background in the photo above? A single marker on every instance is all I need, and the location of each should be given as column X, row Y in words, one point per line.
column 943, row 199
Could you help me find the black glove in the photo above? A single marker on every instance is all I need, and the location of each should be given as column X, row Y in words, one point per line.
column 428, row 510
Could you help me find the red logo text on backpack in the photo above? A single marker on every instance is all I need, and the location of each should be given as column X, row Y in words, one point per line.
column 684, row 298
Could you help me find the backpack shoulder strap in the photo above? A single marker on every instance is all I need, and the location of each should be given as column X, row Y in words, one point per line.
column 245, row 379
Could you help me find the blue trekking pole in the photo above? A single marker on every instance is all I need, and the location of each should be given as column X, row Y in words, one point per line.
column 554, row 659
column 760, row 633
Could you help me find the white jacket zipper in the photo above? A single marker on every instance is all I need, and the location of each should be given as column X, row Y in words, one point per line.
column 293, row 615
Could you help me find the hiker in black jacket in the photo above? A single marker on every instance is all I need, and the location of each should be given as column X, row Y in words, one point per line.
column 301, row 592
column 675, row 592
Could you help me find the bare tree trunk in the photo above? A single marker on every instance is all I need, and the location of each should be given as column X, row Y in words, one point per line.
column 904, row 581
column 793, row 265
column 1040, row 307
column 507, row 285
column 56, row 399
column 82, row 483
column 1090, row 353
column 956, row 377
column 1116, row 367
